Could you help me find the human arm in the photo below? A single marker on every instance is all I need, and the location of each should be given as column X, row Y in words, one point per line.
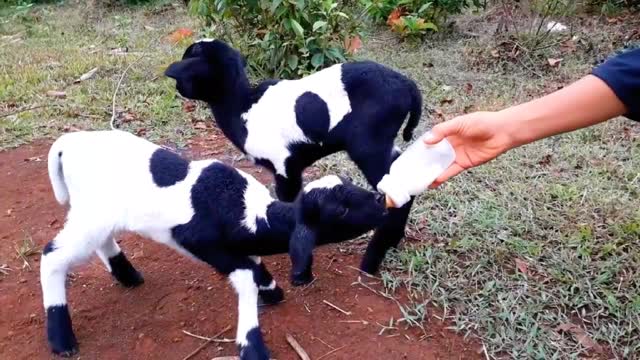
column 482, row 136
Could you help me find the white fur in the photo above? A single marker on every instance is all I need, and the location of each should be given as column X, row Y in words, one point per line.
column 242, row 281
column 271, row 122
column 327, row 182
column 256, row 199
column 271, row 286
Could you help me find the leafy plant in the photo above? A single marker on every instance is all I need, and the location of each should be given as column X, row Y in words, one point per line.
column 283, row 38
column 413, row 18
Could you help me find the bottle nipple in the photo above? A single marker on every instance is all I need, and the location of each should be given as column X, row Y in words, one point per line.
column 388, row 202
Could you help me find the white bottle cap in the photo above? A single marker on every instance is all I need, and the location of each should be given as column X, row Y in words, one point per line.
column 395, row 191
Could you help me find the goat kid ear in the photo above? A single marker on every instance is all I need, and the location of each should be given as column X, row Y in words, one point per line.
column 301, row 245
column 190, row 74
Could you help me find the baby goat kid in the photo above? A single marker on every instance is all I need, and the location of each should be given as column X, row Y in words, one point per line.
column 115, row 181
column 285, row 126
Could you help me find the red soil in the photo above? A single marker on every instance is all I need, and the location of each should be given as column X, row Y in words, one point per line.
column 180, row 294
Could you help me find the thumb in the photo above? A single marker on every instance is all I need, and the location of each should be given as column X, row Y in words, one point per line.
column 441, row 131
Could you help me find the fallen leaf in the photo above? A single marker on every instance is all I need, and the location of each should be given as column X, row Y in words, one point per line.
column 395, row 15
column 200, row 125
column 580, row 335
column 427, row 64
column 188, row 106
column 546, row 160
column 468, row 88
column 9, row 212
column 495, row 53
column 523, row 266
column 353, row 44
column 553, row 62
column 57, row 94
column 86, row 76
column 141, row 131
column 467, row 109
column 34, row 158
column 568, row 46
column 179, row 35
column 128, row 117
column 446, row 101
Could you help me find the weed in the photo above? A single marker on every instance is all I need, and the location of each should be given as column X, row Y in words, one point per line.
column 26, row 249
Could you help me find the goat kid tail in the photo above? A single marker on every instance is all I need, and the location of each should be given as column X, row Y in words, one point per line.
column 56, row 176
column 415, row 112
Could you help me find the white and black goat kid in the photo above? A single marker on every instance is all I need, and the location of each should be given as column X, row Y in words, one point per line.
column 285, row 126
column 115, row 181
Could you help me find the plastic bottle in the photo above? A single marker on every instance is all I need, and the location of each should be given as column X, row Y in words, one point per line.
column 413, row 171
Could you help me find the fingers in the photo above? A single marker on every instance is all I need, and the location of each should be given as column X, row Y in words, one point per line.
column 441, row 131
column 451, row 171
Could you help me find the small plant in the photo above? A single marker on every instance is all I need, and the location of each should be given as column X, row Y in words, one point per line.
column 283, row 39
column 26, row 249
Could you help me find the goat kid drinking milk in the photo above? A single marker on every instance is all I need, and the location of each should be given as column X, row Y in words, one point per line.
column 209, row 211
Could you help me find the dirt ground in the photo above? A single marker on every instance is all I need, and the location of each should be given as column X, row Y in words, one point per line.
column 148, row 322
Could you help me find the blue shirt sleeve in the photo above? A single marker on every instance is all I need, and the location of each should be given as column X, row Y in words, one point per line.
column 622, row 74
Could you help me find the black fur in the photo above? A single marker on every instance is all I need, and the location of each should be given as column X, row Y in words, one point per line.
column 48, row 248
column 60, row 332
column 124, row 272
column 312, row 116
column 256, row 349
column 167, row 168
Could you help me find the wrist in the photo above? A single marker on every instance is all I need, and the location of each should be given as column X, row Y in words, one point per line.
column 511, row 124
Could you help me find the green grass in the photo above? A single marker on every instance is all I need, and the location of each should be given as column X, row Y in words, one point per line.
column 45, row 48
column 564, row 209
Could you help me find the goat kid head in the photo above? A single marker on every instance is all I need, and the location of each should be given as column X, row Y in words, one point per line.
column 209, row 68
column 330, row 209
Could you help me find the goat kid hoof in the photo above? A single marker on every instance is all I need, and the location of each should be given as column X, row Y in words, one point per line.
column 254, row 351
column 65, row 351
column 270, row 297
column 134, row 279
column 301, row 279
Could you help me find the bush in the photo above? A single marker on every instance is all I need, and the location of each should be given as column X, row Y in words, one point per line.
column 283, row 39
column 416, row 17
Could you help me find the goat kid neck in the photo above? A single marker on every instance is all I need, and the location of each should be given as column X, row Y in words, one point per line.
column 235, row 100
column 281, row 219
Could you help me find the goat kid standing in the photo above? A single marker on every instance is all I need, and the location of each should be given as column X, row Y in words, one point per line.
column 285, row 126
column 115, row 181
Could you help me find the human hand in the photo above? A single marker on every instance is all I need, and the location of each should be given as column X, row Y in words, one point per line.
column 476, row 138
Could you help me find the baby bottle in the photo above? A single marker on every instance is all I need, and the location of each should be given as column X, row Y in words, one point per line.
column 415, row 169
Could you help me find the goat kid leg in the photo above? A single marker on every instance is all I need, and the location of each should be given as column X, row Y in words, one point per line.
column 287, row 188
column 374, row 166
column 268, row 290
column 118, row 264
column 386, row 236
column 71, row 246
column 301, row 245
column 248, row 335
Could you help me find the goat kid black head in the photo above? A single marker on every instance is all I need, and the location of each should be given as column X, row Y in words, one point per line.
column 339, row 208
column 206, row 70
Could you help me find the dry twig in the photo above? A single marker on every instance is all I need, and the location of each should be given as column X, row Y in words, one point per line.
column 203, row 345
column 331, row 352
column 337, row 308
column 26, row 109
column 223, row 340
column 298, row 349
